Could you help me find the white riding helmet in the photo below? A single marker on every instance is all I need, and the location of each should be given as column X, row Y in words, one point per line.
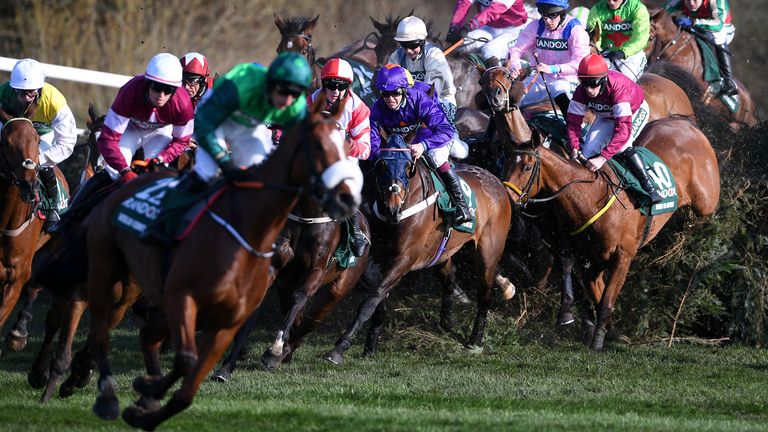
column 27, row 74
column 410, row 29
column 164, row 68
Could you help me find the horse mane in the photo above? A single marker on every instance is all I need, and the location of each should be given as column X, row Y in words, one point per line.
column 29, row 113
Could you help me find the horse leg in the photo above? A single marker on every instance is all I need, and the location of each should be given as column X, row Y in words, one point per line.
column 367, row 308
column 224, row 373
column 38, row 373
column 487, row 257
column 274, row 354
column 11, row 294
column 605, row 308
column 565, row 316
column 70, row 319
column 192, row 368
column 377, row 321
column 17, row 337
column 448, row 274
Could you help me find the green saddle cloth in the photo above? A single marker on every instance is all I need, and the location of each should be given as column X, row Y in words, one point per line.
column 62, row 198
column 343, row 255
column 660, row 176
column 159, row 200
column 446, row 206
column 552, row 126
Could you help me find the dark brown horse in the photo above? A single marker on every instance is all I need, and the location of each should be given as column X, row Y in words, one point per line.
column 306, row 266
column 296, row 36
column 668, row 42
column 238, row 233
column 414, row 237
column 610, row 243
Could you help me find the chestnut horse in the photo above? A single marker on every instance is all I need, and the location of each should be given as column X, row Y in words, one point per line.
column 668, row 42
column 305, row 263
column 610, row 243
column 237, row 232
column 21, row 234
column 415, row 237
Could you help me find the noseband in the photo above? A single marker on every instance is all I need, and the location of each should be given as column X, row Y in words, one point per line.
column 507, row 105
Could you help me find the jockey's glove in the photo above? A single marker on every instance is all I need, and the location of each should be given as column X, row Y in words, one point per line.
column 456, row 33
column 684, row 22
column 615, row 56
column 128, row 176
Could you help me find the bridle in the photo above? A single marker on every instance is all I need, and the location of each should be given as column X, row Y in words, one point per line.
column 7, row 171
column 508, row 106
column 659, row 48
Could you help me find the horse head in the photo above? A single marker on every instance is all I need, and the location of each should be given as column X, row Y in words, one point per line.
column 335, row 181
column 663, row 30
column 502, row 94
column 19, row 154
column 296, row 35
column 394, row 169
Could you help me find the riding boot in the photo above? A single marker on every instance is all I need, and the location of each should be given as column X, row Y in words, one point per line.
column 51, row 190
column 563, row 102
column 726, row 70
column 453, row 186
column 83, row 200
column 632, row 160
column 361, row 241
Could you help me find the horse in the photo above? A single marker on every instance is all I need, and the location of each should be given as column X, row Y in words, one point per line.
column 612, row 240
column 296, row 36
column 237, row 231
column 21, row 234
column 414, row 237
column 305, row 263
column 668, row 42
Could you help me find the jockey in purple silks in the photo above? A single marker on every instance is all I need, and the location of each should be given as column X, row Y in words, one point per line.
column 401, row 110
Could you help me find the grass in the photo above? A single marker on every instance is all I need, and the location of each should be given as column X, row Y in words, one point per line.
column 529, row 382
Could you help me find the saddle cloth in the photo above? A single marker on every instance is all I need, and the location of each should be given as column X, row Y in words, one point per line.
column 661, row 177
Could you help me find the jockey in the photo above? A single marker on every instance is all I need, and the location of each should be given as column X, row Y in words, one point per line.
column 713, row 19
column 195, row 76
column 624, row 27
column 233, row 123
column 336, row 79
column 401, row 110
column 147, row 113
column 561, row 42
column 621, row 113
column 426, row 63
column 53, row 121
column 493, row 30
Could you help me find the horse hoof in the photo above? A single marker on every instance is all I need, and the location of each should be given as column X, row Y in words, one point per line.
column 37, row 380
column 270, row 360
column 221, row 375
column 598, row 341
column 136, row 417
column 565, row 318
column 83, row 381
column 16, row 342
column 107, row 407
column 334, row 357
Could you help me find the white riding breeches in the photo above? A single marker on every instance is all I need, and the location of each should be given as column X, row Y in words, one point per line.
column 601, row 132
column 248, row 146
column 632, row 66
column 153, row 141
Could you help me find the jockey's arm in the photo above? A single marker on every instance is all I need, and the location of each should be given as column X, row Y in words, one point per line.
column 64, row 136
column 433, row 117
column 359, row 130
column 460, row 12
column 573, row 119
column 641, row 32
column 211, row 113
column 182, row 135
column 622, row 129
column 717, row 22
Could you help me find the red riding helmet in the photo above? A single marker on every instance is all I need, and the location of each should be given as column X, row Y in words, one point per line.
column 195, row 63
column 337, row 69
column 593, row 66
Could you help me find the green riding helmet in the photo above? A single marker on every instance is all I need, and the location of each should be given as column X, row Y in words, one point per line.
column 290, row 67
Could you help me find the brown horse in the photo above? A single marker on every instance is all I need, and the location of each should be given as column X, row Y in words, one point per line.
column 668, row 42
column 238, row 233
column 296, row 36
column 414, row 237
column 305, row 264
column 612, row 240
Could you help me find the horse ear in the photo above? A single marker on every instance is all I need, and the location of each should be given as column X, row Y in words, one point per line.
column 319, row 105
column 4, row 116
column 409, row 169
column 381, row 167
column 383, row 134
column 380, row 27
column 279, row 23
column 310, row 26
column 411, row 135
column 92, row 114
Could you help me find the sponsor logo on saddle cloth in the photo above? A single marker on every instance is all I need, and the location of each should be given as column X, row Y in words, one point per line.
column 661, row 177
column 446, row 206
column 144, row 207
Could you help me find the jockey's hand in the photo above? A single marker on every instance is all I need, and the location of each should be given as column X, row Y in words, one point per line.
column 544, row 68
column 233, row 172
column 615, row 56
column 514, row 72
column 684, row 22
column 156, row 162
column 417, row 150
column 575, row 154
column 128, row 176
column 596, row 163
column 456, row 33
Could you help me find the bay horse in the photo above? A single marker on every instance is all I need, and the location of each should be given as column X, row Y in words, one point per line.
column 414, row 237
column 296, row 36
column 237, row 233
column 305, row 264
column 669, row 43
column 538, row 173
